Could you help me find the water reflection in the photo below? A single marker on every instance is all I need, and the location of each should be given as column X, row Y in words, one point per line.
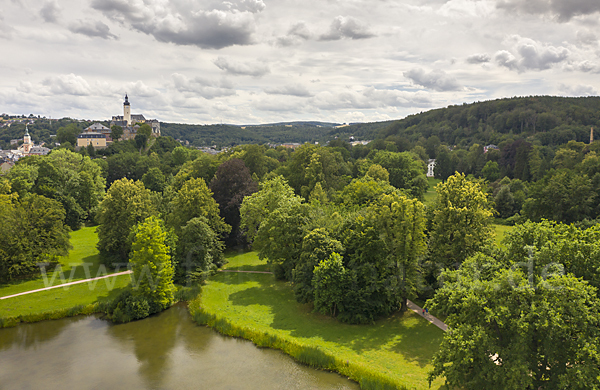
column 167, row 351
column 32, row 336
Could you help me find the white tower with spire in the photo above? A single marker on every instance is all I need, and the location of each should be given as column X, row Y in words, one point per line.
column 127, row 111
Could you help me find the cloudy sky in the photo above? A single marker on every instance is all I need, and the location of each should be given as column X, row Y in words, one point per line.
column 259, row 61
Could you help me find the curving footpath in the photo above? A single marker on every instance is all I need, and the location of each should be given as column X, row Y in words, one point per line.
column 67, row 284
column 428, row 317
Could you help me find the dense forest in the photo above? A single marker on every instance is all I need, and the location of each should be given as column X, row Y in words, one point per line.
column 349, row 227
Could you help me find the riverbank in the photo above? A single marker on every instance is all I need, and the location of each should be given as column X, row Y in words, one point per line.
column 393, row 353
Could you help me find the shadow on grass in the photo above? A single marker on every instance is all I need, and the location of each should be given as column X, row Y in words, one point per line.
column 401, row 333
column 257, row 267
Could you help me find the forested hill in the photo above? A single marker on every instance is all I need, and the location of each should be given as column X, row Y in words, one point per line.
column 544, row 120
column 547, row 120
column 300, row 132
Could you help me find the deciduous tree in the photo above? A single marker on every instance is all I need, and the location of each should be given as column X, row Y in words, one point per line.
column 461, row 221
column 126, row 204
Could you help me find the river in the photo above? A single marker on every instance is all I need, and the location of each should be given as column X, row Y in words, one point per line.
column 166, row 351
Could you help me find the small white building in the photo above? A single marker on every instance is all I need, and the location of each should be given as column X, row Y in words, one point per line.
column 430, row 167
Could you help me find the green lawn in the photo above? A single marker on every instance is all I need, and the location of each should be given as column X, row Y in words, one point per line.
column 84, row 252
column 500, row 230
column 399, row 347
column 430, row 196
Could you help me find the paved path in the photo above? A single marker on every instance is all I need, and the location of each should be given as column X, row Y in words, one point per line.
column 247, row 272
column 428, row 317
column 68, row 284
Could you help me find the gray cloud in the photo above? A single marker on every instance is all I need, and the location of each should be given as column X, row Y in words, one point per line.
column 586, row 66
column 437, row 80
column 92, row 29
column 578, row 90
column 370, row 98
column 67, row 85
column 530, row 55
column 184, row 22
column 293, row 90
column 564, row 10
column 50, row 12
column 208, row 89
column 346, row 27
column 297, row 33
column 479, row 58
column 241, row 68
column 587, row 37
column 6, row 30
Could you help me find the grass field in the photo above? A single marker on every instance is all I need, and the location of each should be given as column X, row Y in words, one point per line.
column 430, row 196
column 84, row 252
column 399, row 347
column 500, row 231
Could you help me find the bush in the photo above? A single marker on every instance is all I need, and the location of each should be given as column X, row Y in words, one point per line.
column 130, row 307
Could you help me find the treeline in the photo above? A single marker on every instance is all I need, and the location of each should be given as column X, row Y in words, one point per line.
column 42, row 130
column 547, row 120
column 533, row 182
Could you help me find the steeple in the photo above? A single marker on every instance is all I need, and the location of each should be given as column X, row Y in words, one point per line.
column 127, row 111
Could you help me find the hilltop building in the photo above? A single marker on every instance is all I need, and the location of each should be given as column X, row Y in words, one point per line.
column 27, row 148
column 27, row 143
column 131, row 123
column 99, row 135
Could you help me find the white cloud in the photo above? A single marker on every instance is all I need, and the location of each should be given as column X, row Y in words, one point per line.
column 296, row 34
column 479, row 58
column 437, row 79
column 563, row 10
column 578, row 90
column 92, row 29
column 346, row 27
column 186, row 22
column 69, row 84
column 370, row 98
column 205, row 88
column 241, row 68
column 292, row 90
column 6, row 31
column 587, row 37
column 467, row 8
column 527, row 54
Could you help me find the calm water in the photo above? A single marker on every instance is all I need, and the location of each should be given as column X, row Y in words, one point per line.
column 167, row 351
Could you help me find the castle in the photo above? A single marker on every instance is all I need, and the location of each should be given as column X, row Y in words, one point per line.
column 99, row 135
column 130, row 123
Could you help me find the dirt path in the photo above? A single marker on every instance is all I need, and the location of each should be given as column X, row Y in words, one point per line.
column 428, row 317
column 67, row 284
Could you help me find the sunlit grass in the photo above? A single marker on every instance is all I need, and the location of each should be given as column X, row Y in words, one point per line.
column 84, row 251
column 399, row 347
column 500, row 231
column 430, row 196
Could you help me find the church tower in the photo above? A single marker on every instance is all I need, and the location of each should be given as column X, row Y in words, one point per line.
column 27, row 144
column 127, row 111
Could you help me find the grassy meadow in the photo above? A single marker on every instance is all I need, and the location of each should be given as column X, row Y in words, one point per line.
column 262, row 309
column 84, row 251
